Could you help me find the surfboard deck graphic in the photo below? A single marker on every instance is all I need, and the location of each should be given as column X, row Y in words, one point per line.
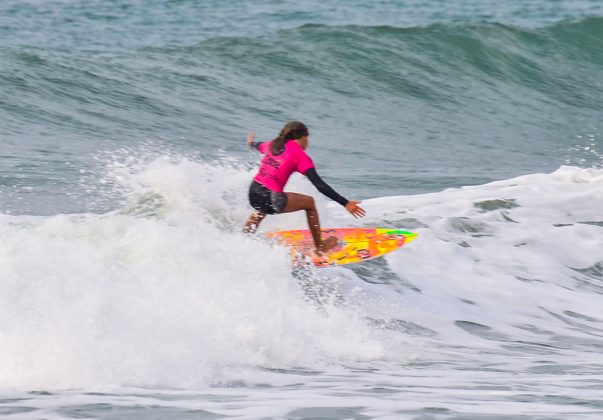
column 354, row 244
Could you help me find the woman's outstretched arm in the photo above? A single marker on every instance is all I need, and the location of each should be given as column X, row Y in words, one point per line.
column 350, row 205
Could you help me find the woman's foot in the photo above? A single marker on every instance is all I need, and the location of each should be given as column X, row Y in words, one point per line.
column 254, row 221
column 327, row 245
column 319, row 256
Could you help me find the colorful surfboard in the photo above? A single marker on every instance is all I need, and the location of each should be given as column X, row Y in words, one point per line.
column 354, row 244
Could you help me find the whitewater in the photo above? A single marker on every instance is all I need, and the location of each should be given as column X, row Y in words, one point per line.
column 164, row 309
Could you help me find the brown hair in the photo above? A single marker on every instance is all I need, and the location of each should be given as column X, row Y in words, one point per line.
column 291, row 131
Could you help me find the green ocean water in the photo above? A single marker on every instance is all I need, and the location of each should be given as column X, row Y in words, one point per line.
column 415, row 96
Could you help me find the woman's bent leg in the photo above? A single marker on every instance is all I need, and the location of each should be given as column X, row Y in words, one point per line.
column 296, row 202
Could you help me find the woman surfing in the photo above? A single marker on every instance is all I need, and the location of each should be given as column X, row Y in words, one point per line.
column 283, row 156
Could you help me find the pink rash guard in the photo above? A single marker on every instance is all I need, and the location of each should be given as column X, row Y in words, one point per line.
column 275, row 170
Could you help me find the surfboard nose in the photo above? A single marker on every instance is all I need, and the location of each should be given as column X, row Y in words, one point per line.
column 409, row 236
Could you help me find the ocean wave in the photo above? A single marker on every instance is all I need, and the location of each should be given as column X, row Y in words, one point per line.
column 430, row 63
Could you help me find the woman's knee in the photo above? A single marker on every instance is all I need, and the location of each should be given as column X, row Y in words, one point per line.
column 309, row 203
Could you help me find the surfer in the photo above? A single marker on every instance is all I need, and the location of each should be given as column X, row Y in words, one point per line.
column 282, row 156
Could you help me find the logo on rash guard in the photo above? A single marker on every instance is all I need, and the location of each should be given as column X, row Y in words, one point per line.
column 269, row 160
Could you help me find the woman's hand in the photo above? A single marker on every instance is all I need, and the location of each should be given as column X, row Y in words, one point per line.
column 354, row 209
column 250, row 138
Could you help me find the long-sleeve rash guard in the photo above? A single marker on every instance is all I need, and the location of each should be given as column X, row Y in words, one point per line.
column 276, row 169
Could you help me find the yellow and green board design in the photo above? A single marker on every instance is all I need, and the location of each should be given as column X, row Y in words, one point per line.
column 354, row 244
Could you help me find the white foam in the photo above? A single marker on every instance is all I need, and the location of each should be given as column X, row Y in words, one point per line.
column 164, row 292
column 506, row 268
column 167, row 292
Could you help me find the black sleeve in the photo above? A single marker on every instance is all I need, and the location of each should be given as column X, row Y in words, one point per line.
column 255, row 145
column 323, row 187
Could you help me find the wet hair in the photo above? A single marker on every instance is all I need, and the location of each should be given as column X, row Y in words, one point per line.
column 291, row 131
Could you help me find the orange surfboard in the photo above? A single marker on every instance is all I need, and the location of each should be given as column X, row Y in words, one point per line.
column 354, row 244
